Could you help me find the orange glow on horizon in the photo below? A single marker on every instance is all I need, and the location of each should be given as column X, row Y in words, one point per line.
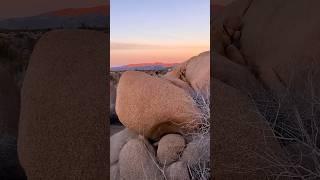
column 137, row 56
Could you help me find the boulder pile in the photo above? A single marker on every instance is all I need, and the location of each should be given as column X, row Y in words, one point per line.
column 167, row 127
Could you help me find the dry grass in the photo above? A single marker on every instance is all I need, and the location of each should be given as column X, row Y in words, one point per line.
column 298, row 133
column 201, row 136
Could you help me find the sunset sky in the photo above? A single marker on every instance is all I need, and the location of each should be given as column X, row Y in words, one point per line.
column 168, row 31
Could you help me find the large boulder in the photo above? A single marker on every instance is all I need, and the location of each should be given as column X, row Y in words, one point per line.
column 192, row 75
column 284, row 63
column 63, row 124
column 137, row 161
column 243, row 142
column 153, row 106
column 198, row 73
column 9, row 104
column 269, row 41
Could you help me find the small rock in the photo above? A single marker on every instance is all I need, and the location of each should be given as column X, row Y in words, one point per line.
column 137, row 161
column 117, row 141
column 170, row 148
column 114, row 172
column 196, row 151
column 177, row 171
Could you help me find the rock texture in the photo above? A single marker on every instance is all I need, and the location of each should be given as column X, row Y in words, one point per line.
column 63, row 123
column 153, row 106
column 137, row 161
column 170, row 148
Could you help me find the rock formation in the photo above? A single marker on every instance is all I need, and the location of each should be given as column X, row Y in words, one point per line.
column 153, row 106
column 165, row 111
column 273, row 59
column 63, row 123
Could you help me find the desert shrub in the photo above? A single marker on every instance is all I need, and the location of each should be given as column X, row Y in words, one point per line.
column 202, row 169
column 201, row 136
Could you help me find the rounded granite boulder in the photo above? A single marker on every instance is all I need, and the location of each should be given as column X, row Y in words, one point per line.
column 153, row 106
column 63, row 123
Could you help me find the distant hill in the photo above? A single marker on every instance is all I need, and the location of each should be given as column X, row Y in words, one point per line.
column 66, row 18
column 144, row 67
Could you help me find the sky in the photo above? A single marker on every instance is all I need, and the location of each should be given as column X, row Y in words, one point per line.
column 22, row 8
column 148, row 31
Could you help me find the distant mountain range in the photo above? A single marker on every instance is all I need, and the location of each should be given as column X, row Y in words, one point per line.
column 66, row 18
column 144, row 67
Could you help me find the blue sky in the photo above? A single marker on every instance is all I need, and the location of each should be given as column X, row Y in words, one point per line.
column 138, row 28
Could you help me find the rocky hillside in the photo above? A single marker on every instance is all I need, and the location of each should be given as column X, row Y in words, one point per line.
column 266, row 61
